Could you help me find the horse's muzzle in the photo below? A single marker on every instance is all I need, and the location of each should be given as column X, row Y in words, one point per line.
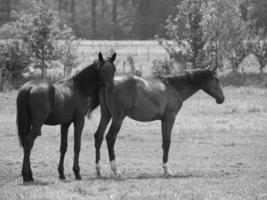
column 220, row 100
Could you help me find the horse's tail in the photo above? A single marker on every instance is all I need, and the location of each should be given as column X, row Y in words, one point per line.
column 23, row 114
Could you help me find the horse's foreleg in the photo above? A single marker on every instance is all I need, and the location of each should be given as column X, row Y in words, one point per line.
column 111, row 139
column 78, row 127
column 166, row 125
column 99, row 139
column 63, row 149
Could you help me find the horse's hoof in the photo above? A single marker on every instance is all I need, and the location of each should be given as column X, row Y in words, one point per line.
column 78, row 178
column 28, row 179
column 62, row 177
column 118, row 174
column 167, row 174
column 31, row 179
column 98, row 174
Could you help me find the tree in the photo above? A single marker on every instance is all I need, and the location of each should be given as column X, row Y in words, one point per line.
column 13, row 59
column 114, row 18
column 72, row 11
column 5, row 10
column 223, row 23
column 255, row 11
column 185, row 30
column 203, row 32
column 93, row 2
column 259, row 48
column 40, row 32
column 149, row 17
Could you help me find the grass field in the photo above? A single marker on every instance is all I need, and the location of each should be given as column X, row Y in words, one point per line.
column 217, row 152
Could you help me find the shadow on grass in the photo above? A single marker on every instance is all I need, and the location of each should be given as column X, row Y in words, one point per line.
column 37, row 183
column 145, row 176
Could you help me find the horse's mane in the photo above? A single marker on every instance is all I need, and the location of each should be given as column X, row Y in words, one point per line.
column 87, row 80
column 194, row 78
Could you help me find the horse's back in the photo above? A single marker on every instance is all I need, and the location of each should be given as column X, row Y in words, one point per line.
column 140, row 99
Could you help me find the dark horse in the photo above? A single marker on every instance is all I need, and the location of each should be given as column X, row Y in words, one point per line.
column 148, row 100
column 40, row 102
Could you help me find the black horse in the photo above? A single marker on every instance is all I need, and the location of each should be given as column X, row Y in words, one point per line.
column 148, row 100
column 40, row 102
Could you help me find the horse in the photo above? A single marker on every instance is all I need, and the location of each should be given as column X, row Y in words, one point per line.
column 39, row 102
column 148, row 100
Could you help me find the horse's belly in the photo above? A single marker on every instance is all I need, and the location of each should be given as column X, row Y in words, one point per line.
column 54, row 119
column 145, row 111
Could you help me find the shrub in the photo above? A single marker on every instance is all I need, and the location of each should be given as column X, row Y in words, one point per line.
column 14, row 59
column 244, row 79
column 162, row 68
column 133, row 69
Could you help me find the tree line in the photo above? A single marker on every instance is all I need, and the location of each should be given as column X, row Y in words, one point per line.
column 103, row 19
column 121, row 19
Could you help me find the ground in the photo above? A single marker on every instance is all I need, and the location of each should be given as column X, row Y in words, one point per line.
column 217, row 152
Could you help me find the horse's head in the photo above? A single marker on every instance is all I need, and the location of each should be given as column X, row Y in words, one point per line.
column 213, row 87
column 107, row 68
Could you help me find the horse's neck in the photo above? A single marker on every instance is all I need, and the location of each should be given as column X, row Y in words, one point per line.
column 85, row 83
column 187, row 91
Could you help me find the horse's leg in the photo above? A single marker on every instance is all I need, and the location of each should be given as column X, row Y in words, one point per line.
column 78, row 127
column 111, row 139
column 63, row 149
column 105, row 118
column 166, row 126
column 26, row 166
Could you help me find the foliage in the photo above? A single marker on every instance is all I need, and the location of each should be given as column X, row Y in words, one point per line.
column 40, row 31
column 186, row 32
column 238, row 79
column 259, row 48
column 67, row 51
column 204, row 32
column 255, row 12
column 223, row 23
column 135, row 19
column 239, row 52
column 162, row 68
column 13, row 59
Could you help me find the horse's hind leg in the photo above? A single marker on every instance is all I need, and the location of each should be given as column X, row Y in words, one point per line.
column 63, row 149
column 111, row 139
column 166, row 126
column 78, row 127
column 28, row 144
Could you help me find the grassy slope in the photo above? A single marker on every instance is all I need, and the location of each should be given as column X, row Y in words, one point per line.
column 217, row 152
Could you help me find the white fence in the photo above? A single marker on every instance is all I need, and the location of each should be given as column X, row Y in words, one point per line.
column 143, row 52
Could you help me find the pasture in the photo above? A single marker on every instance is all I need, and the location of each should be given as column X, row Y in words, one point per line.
column 217, row 152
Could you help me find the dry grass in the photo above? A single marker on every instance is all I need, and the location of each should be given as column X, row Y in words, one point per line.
column 217, row 152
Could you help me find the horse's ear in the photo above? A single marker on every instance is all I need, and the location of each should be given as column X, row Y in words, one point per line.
column 100, row 57
column 113, row 57
column 214, row 68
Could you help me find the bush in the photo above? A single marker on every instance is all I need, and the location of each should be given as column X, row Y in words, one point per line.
column 13, row 62
column 133, row 69
column 162, row 68
column 244, row 79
